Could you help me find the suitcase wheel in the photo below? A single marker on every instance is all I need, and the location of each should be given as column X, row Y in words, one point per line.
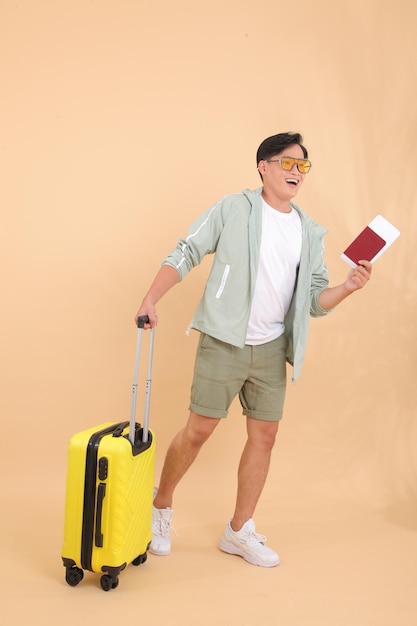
column 140, row 559
column 107, row 582
column 74, row 575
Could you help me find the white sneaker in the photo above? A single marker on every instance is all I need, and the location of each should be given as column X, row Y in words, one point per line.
column 249, row 545
column 161, row 531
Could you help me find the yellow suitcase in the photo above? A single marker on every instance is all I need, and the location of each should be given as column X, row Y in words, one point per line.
column 109, row 493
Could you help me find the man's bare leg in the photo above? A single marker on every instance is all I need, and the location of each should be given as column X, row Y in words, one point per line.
column 253, row 469
column 239, row 537
column 181, row 454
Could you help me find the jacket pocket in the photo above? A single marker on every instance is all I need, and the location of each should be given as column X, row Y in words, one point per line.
column 223, row 281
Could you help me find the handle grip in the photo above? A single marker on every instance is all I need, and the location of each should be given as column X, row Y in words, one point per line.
column 142, row 320
column 101, row 493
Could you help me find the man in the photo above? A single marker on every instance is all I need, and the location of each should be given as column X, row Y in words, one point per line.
column 268, row 277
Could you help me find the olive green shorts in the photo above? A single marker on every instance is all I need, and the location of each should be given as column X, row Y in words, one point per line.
column 256, row 373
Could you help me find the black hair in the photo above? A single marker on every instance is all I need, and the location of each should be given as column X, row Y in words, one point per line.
column 277, row 143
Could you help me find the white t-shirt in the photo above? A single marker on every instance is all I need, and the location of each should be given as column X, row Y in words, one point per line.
column 278, row 261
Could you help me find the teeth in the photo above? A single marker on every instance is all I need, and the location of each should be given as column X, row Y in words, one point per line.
column 292, row 180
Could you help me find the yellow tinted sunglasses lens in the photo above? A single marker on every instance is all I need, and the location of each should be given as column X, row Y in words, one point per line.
column 287, row 163
column 303, row 166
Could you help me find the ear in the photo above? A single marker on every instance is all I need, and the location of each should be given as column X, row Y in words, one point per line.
column 262, row 167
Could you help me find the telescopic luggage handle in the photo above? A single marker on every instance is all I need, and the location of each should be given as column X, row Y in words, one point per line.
column 141, row 321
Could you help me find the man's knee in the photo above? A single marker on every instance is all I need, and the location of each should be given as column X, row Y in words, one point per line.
column 199, row 428
column 262, row 433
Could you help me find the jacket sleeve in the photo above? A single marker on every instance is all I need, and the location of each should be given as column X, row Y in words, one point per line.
column 319, row 282
column 202, row 239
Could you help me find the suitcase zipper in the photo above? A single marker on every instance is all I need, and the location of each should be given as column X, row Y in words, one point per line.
column 89, row 510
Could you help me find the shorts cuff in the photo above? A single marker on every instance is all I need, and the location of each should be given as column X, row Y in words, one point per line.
column 266, row 417
column 206, row 412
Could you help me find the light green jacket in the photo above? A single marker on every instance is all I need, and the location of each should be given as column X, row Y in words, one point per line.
column 232, row 229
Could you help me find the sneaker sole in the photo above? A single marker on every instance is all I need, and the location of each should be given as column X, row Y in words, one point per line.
column 161, row 552
column 231, row 548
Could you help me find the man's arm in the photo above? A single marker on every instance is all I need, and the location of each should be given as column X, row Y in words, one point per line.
column 165, row 279
column 356, row 279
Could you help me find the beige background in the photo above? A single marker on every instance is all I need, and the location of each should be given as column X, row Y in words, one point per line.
column 121, row 122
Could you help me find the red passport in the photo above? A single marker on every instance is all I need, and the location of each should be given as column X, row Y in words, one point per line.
column 373, row 241
column 365, row 247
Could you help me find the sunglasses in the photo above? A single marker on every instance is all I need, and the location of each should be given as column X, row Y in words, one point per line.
column 287, row 163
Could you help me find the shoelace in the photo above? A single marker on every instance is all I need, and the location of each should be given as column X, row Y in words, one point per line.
column 252, row 538
column 163, row 527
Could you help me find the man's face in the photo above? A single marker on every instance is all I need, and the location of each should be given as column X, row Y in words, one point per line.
column 281, row 183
